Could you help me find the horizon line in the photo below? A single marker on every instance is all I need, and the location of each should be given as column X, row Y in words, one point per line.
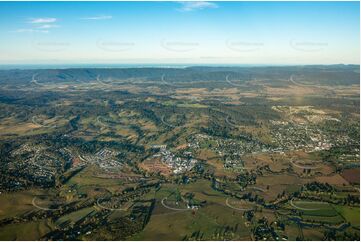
column 148, row 65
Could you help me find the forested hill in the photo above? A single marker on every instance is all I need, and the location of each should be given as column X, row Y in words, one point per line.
column 314, row 74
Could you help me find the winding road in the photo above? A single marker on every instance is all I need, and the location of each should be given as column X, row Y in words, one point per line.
column 239, row 209
column 42, row 208
column 111, row 209
column 306, row 209
column 175, row 209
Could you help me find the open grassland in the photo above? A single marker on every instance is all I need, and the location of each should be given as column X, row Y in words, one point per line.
column 75, row 216
column 351, row 214
column 26, row 231
column 13, row 204
column 166, row 224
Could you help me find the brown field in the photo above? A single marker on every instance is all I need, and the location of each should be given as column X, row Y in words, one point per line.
column 347, row 90
column 352, row 175
column 319, row 168
column 191, row 91
column 252, row 163
column 213, row 160
column 290, row 91
column 333, row 180
column 325, row 169
column 181, row 147
column 76, row 161
column 8, row 128
column 155, row 165
column 279, row 183
column 203, row 93
column 276, row 162
column 312, row 234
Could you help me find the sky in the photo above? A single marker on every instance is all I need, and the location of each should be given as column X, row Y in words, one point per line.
column 259, row 33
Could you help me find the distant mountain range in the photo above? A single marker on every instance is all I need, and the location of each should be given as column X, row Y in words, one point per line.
column 321, row 74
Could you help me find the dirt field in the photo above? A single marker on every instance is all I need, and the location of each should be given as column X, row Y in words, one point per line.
column 352, row 175
column 154, row 165
column 332, row 180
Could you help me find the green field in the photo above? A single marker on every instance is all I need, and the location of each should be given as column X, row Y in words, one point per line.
column 351, row 214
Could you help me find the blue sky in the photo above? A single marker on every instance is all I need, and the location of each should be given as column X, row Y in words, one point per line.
column 179, row 32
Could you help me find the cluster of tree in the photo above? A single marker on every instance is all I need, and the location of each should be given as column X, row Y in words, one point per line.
column 246, row 178
column 318, row 187
column 264, row 231
column 351, row 199
column 332, row 235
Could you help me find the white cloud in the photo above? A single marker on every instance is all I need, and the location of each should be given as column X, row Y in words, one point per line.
column 31, row 31
column 47, row 26
column 196, row 5
column 100, row 17
column 38, row 25
column 42, row 20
